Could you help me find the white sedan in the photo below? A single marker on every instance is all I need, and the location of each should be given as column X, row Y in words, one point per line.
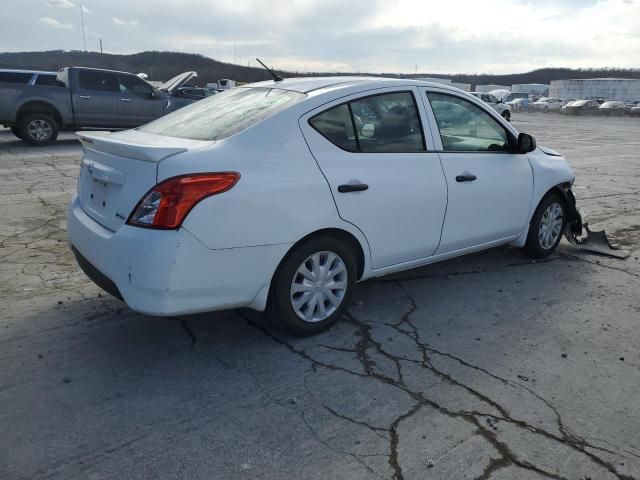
column 546, row 105
column 284, row 194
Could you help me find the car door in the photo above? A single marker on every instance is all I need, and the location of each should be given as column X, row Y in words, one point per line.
column 95, row 101
column 384, row 176
column 139, row 103
column 489, row 188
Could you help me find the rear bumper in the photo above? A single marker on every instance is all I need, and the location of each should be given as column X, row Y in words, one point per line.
column 168, row 272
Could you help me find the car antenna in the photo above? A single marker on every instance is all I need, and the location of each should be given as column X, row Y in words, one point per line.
column 276, row 78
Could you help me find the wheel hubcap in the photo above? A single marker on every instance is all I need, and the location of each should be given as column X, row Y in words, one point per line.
column 318, row 286
column 550, row 226
column 39, row 129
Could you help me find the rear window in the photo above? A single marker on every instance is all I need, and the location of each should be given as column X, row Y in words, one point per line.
column 223, row 115
column 49, row 80
column 15, row 77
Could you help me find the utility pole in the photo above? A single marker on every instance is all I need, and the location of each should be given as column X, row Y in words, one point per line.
column 84, row 37
column 235, row 55
column 100, row 46
column 218, row 50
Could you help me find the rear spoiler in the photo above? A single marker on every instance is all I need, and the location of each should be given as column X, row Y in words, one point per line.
column 130, row 148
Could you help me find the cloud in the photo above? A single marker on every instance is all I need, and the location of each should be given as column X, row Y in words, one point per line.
column 52, row 22
column 85, row 9
column 127, row 23
column 504, row 36
column 60, row 3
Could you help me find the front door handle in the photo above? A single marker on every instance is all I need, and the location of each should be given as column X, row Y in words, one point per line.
column 86, row 97
column 125, row 99
column 465, row 177
column 353, row 187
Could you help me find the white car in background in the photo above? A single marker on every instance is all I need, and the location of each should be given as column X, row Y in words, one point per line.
column 546, row 105
column 284, row 194
column 498, row 105
column 519, row 104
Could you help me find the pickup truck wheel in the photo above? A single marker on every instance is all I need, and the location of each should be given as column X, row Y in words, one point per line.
column 506, row 115
column 16, row 132
column 38, row 129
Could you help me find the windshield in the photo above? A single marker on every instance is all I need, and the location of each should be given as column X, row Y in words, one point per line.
column 579, row 103
column 223, row 115
column 611, row 104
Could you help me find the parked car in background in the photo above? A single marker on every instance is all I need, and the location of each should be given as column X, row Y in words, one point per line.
column 502, row 108
column 581, row 107
column 546, row 105
column 635, row 111
column 193, row 93
column 519, row 104
column 310, row 200
column 85, row 98
column 613, row 107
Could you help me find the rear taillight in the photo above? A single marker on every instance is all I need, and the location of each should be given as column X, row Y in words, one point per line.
column 167, row 204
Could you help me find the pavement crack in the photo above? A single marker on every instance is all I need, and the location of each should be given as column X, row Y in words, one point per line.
column 187, row 329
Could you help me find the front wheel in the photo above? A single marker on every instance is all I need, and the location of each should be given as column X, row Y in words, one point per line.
column 546, row 227
column 313, row 286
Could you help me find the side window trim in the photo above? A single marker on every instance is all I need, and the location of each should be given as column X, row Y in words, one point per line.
column 355, row 98
column 437, row 139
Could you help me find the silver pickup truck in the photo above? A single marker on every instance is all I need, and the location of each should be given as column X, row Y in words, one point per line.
column 86, row 98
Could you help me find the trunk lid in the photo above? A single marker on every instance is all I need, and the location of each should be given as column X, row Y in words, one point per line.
column 118, row 169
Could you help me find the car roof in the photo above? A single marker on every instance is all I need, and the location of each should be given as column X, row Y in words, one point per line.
column 15, row 70
column 317, row 84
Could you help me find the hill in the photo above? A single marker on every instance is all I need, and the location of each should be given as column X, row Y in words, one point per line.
column 164, row 65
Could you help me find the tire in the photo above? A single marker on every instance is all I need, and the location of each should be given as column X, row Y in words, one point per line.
column 38, row 129
column 288, row 279
column 551, row 208
column 506, row 115
column 16, row 132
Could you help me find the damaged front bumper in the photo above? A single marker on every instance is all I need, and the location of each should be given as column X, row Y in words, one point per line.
column 578, row 233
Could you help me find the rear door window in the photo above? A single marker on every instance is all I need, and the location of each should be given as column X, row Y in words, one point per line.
column 336, row 126
column 383, row 123
column 98, row 81
column 15, row 77
column 48, row 80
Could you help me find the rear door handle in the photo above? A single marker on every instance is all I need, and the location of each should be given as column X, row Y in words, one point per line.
column 125, row 99
column 86, row 97
column 353, row 187
column 465, row 177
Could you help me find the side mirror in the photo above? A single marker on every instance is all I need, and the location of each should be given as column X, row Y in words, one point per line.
column 526, row 143
column 155, row 94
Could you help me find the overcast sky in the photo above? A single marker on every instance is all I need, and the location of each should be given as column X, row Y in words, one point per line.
column 439, row 36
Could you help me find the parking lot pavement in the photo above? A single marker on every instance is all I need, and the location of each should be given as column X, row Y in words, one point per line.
column 488, row 366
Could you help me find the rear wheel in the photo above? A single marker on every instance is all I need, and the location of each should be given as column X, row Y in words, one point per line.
column 312, row 288
column 38, row 129
column 546, row 227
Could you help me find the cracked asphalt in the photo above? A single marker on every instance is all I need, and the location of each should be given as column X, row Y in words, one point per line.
column 488, row 366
